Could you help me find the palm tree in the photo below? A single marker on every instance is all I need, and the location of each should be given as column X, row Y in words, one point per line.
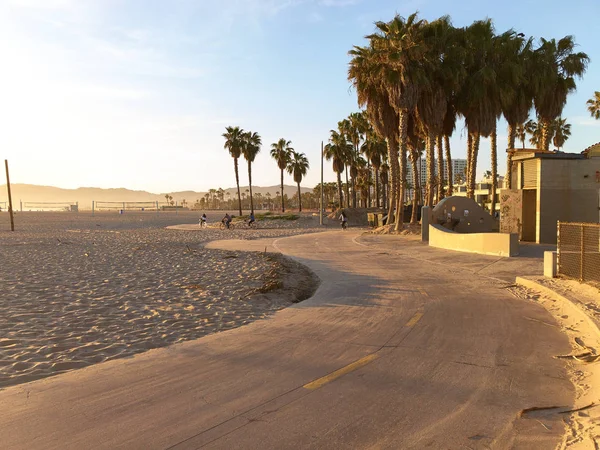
column 562, row 131
column 234, row 143
column 280, row 152
column 251, row 147
column 375, row 150
column 385, row 169
column 297, row 167
column 366, row 73
column 516, row 107
column 532, row 127
column 521, row 134
column 337, row 149
column 556, row 67
column 594, row 105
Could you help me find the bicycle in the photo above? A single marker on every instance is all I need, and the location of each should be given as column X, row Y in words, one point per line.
column 253, row 225
column 203, row 223
column 224, row 227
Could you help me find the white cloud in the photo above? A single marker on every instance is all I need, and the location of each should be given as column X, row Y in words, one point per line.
column 585, row 121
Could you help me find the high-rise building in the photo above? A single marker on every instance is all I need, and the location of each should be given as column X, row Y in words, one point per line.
column 458, row 169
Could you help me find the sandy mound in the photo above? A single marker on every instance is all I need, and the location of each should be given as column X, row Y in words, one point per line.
column 408, row 229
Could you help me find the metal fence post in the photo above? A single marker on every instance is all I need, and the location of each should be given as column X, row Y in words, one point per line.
column 582, row 253
column 558, row 247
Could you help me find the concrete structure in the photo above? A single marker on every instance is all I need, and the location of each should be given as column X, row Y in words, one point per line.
column 463, row 215
column 550, row 264
column 497, row 244
column 460, row 224
column 458, row 169
column 550, row 187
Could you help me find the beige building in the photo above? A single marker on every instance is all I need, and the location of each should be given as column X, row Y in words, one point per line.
column 549, row 187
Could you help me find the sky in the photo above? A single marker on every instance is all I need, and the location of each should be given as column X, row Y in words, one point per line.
column 137, row 93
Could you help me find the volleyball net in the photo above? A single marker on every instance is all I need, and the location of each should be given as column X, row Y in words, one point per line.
column 125, row 206
column 49, row 206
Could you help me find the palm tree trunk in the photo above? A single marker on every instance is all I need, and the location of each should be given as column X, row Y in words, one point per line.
column 512, row 137
column 237, row 182
column 440, row 168
column 376, row 188
column 353, row 191
column 469, row 157
column 414, row 158
column 383, row 194
column 340, row 190
column 250, row 186
column 494, row 158
column 402, row 134
column 545, row 144
column 299, row 199
column 430, row 155
column 450, row 180
column 393, row 178
column 368, row 183
column 473, row 166
column 282, row 201
column 347, row 190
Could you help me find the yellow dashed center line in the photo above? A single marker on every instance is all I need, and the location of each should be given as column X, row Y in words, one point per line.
column 412, row 322
column 316, row 384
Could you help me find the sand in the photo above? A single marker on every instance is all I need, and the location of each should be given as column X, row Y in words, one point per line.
column 78, row 289
column 576, row 312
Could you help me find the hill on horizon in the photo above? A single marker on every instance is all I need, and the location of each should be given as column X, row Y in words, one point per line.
column 85, row 195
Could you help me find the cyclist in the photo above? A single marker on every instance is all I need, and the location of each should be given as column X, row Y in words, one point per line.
column 203, row 220
column 226, row 220
column 251, row 220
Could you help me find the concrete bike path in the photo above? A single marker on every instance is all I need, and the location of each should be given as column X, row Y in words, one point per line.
column 391, row 352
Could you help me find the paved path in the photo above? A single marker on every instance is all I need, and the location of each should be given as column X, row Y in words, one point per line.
column 393, row 351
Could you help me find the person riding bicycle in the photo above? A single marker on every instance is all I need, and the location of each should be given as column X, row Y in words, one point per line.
column 203, row 220
column 344, row 220
column 226, row 220
column 251, row 220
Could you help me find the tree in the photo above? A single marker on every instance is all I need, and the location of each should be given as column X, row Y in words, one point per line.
column 593, row 105
column 561, row 131
column 280, row 152
column 532, row 128
column 336, row 150
column 556, row 67
column 251, row 147
column 297, row 167
column 375, row 150
column 234, row 143
column 516, row 107
column 521, row 134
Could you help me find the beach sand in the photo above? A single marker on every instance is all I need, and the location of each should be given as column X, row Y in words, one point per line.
column 78, row 289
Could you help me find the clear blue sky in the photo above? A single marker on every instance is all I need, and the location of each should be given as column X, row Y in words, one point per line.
column 136, row 93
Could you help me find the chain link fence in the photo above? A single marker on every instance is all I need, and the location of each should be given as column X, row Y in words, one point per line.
column 578, row 246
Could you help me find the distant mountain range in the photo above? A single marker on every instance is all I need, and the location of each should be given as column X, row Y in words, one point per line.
column 85, row 195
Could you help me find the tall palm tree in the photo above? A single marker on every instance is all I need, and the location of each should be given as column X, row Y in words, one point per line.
column 516, row 107
column 337, row 150
column 385, row 170
column 556, row 67
column 562, row 132
column 297, row 167
column 234, row 143
column 479, row 99
column 252, row 144
column 375, row 150
column 280, row 152
column 366, row 73
column 532, row 128
column 593, row 105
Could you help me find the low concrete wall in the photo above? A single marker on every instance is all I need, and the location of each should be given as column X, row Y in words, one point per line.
column 497, row 244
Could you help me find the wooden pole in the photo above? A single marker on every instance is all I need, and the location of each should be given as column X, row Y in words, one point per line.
column 321, row 202
column 10, row 208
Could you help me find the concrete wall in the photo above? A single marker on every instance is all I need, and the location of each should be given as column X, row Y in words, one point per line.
column 463, row 215
column 569, row 193
column 497, row 244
